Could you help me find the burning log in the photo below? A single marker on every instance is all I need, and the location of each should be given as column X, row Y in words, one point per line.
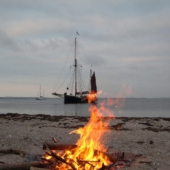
column 113, row 157
column 53, row 146
column 117, row 159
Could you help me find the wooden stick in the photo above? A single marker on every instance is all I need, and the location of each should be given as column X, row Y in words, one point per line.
column 62, row 160
column 54, row 139
column 58, row 158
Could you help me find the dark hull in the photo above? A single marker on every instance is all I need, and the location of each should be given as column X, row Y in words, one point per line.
column 74, row 99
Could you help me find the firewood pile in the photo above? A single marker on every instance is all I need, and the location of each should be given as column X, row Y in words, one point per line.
column 118, row 159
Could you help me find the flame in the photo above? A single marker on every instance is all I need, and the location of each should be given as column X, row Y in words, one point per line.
column 92, row 97
column 90, row 152
column 91, row 135
column 47, row 157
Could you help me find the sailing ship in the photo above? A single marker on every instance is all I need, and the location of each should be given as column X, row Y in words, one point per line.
column 80, row 95
column 40, row 95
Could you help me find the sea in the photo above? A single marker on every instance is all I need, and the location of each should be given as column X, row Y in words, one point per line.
column 130, row 107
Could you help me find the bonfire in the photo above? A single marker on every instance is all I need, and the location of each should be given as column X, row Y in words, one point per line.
column 89, row 153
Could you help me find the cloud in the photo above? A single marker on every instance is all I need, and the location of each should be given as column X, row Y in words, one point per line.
column 94, row 60
column 7, row 42
column 45, row 43
column 125, row 41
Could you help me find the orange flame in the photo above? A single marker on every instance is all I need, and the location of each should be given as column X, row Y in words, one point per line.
column 90, row 152
column 92, row 97
column 90, row 141
column 90, row 149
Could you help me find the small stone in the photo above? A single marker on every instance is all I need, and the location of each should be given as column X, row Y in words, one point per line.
column 151, row 142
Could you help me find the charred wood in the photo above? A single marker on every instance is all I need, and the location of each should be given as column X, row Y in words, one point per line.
column 54, row 146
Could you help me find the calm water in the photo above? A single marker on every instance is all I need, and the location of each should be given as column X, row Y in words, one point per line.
column 132, row 107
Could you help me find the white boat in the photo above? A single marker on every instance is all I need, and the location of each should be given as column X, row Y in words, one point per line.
column 40, row 95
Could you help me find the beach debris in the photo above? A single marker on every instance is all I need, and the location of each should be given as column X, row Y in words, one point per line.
column 151, row 142
column 146, row 162
column 54, row 139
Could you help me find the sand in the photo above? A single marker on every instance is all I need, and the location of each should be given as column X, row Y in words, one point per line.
column 147, row 136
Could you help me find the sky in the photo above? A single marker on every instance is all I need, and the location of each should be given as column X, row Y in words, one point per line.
column 127, row 43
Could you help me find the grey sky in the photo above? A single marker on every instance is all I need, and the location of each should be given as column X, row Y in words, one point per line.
column 127, row 42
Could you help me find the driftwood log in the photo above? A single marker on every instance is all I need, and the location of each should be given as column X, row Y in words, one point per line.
column 25, row 166
column 20, row 166
column 12, row 151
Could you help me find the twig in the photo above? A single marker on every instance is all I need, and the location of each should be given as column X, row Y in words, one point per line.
column 87, row 162
column 54, row 139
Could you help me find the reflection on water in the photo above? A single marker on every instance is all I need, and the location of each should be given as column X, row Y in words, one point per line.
column 53, row 106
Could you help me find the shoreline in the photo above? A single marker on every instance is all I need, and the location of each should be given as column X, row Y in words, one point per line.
column 140, row 135
column 46, row 116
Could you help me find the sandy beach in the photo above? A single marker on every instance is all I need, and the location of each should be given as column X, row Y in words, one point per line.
column 149, row 137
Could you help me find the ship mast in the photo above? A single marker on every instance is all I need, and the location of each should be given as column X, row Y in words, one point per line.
column 75, row 68
column 40, row 90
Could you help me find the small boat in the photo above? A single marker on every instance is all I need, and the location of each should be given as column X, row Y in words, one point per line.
column 78, row 94
column 40, row 96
